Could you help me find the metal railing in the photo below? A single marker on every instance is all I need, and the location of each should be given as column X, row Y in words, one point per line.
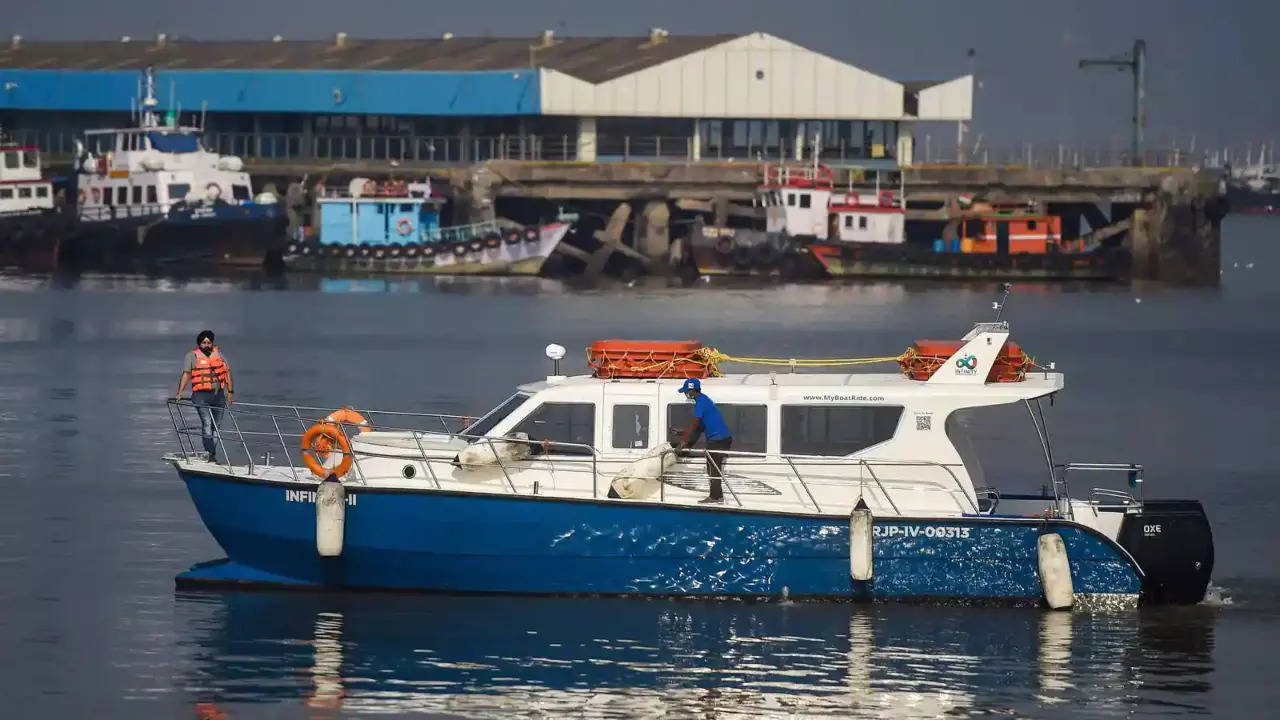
column 1099, row 496
column 252, row 432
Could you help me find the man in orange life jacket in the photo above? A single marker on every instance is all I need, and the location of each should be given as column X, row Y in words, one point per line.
column 211, row 387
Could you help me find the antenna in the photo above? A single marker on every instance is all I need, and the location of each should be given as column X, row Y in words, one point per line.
column 998, row 305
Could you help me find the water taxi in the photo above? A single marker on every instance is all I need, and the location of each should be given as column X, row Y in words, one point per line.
column 857, row 486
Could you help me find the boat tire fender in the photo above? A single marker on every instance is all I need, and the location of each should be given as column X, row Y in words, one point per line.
column 513, row 237
column 461, row 249
column 724, row 245
column 531, row 234
column 493, row 240
column 404, row 227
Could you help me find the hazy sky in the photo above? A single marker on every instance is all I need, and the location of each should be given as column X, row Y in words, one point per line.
column 1213, row 66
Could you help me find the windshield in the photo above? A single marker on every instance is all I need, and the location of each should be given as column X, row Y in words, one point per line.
column 496, row 415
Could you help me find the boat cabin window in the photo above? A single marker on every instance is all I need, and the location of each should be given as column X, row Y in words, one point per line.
column 107, row 196
column 30, row 159
column 240, row 192
column 748, row 423
column 11, row 160
column 178, row 191
column 42, row 191
column 848, row 221
column 791, row 199
column 805, row 199
column 137, row 194
column 122, row 196
column 836, row 430
column 862, row 222
column 630, row 427
column 6, row 193
column 151, row 194
column 24, row 192
column 1031, row 224
column 496, row 415
column 562, row 422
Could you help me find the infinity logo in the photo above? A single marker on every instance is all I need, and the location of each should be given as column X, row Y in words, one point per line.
column 968, row 362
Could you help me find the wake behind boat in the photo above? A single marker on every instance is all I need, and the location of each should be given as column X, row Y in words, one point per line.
column 846, row 486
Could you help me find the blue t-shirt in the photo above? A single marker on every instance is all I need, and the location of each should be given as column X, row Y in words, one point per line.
column 712, row 421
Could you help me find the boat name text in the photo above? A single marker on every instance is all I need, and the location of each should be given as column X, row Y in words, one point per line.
column 309, row 496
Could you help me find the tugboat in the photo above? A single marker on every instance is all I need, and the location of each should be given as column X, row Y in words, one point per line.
column 813, row 228
column 394, row 227
column 154, row 194
column 839, row 486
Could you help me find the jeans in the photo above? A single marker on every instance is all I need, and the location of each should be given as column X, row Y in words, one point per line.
column 209, row 405
column 715, row 465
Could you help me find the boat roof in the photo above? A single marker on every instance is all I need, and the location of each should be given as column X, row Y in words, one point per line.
column 1036, row 384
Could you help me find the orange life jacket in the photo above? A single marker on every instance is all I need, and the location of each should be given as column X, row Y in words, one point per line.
column 206, row 368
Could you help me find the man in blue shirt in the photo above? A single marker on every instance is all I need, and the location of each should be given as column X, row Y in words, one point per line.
column 707, row 420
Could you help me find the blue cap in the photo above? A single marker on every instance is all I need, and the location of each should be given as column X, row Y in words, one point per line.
column 691, row 384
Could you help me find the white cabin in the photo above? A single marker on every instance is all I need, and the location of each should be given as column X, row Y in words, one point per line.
column 803, row 203
column 22, row 188
column 142, row 171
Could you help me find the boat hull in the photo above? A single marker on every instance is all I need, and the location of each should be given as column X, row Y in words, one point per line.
column 523, row 258
column 904, row 260
column 441, row 541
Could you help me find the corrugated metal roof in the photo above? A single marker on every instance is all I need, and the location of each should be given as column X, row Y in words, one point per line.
column 592, row 59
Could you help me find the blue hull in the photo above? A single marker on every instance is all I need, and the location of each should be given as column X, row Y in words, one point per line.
column 461, row 542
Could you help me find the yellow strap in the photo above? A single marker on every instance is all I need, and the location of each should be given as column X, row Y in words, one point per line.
column 714, row 357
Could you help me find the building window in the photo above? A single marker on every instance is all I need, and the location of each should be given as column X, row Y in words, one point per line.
column 862, row 222
column 151, row 194
column 122, row 196
column 556, row 422
column 836, row 430
column 240, row 192
column 791, row 199
column 178, row 191
column 804, row 200
column 630, row 426
column 137, row 194
column 11, row 160
column 748, row 423
column 42, row 191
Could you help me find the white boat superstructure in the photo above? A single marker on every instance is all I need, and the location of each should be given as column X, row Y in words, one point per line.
column 148, row 169
column 23, row 189
column 803, row 202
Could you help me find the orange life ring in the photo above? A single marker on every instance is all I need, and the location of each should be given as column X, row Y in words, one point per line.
column 403, row 226
column 342, row 416
column 327, row 435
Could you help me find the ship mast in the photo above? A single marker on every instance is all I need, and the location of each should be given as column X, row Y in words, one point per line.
column 149, row 102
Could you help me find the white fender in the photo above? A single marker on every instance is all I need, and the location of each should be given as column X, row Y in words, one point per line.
column 483, row 452
column 641, row 479
column 331, row 517
column 860, row 535
column 1055, row 572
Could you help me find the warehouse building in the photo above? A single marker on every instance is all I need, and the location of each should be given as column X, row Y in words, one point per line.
column 455, row 100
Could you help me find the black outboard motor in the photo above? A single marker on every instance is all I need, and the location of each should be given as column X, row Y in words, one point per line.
column 1173, row 544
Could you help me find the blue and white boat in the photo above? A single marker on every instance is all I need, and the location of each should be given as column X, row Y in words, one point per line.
column 394, row 227
column 847, row 486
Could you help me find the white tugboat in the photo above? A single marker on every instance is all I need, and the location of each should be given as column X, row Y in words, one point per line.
column 159, row 195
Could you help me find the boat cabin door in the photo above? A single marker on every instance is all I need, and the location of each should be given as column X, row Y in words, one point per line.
column 1002, row 237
